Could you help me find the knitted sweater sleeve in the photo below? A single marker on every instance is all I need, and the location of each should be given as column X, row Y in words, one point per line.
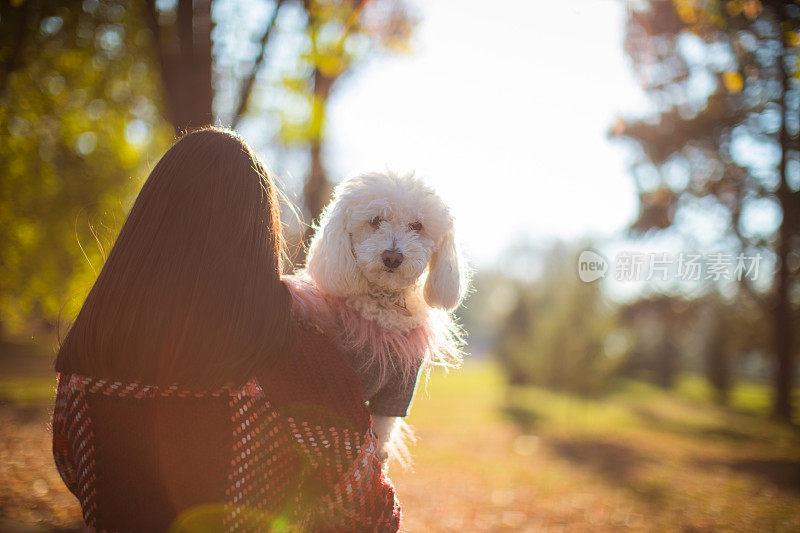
column 321, row 402
column 357, row 497
column 63, row 453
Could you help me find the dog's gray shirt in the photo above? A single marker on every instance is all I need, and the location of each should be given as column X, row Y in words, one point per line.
column 387, row 395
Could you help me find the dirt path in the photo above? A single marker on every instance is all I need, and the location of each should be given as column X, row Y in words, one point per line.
column 32, row 495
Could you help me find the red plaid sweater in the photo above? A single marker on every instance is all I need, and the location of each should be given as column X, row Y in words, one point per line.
column 291, row 450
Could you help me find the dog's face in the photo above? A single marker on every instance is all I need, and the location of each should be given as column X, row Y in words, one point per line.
column 384, row 231
column 391, row 244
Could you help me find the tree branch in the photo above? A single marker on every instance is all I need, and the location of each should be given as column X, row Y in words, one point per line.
column 13, row 61
column 166, row 76
column 249, row 82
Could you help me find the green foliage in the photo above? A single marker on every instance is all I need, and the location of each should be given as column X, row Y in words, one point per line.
column 29, row 390
column 557, row 334
column 722, row 143
column 338, row 36
column 80, row 120
column 81, row 117
column 713, row 71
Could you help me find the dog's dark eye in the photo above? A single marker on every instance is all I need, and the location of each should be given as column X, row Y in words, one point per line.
column 376, row 222
column 415, row 226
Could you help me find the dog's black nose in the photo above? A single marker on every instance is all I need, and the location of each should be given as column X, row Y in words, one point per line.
column 392, row 258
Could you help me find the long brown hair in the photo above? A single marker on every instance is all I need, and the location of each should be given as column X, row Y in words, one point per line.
column 191, row 291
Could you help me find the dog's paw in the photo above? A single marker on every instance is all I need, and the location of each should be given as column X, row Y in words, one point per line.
column 383, row 454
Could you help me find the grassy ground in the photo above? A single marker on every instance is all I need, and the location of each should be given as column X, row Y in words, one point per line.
column 642, row 459
column 526, row 459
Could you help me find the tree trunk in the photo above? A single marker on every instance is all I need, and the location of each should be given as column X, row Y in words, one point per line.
column 317, row 190
column 202, row 109
column 782, row 311
column 22, row 16
column 667, row 363
column 718, row 368
column 185, row 59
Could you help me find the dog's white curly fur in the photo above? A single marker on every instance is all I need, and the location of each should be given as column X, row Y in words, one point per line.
column 344, row 258
column 370, row 214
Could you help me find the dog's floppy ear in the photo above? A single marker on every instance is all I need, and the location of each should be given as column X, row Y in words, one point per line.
column 447, row 277
column 330, row 261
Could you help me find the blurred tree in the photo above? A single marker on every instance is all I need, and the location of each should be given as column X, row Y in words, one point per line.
column 660, row 327
column 736, row 329
column 182, row 40
column 723, row 138
column 718, row 354
column 84, row 88
column 188, row 64
column 78, row 120
column 561, row 333
column 707, row 334
column 510, row 343
column 492, row 296
column 339, row 35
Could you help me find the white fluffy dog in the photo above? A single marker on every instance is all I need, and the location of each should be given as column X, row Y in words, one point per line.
column 383, row 274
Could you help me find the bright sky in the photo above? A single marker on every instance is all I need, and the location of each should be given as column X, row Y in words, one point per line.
column 504, row 108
